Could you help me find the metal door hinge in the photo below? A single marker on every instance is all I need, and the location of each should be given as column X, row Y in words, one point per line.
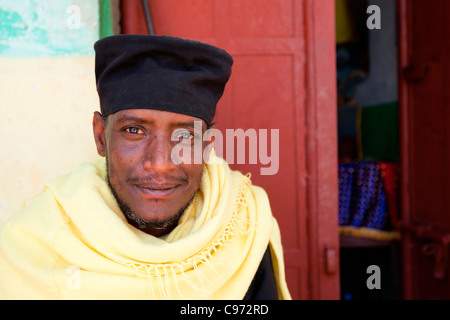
column 437, row 244
column 416, row 72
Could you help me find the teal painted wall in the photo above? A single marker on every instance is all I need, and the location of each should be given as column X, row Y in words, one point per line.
column 52, row 27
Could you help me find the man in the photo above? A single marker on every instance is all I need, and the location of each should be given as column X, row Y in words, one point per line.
column 143, row 222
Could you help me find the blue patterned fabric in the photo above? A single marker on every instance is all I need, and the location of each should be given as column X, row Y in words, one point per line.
column 362, row 199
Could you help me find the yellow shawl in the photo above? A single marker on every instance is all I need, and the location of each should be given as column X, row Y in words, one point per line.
column 72, row 242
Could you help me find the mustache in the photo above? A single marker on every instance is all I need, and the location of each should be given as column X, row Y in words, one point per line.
column 157, row 180
column 152, row 179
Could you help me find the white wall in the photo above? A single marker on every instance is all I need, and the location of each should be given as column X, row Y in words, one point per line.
column 47, row 95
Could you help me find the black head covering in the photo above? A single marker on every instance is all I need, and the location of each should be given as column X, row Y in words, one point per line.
column 160, row 72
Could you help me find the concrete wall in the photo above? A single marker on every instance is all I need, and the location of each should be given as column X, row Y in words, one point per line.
column 47, row 93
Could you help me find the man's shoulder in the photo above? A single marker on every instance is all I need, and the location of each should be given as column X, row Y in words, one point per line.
column 48, row 199
column 30, row 217
column 84, row 173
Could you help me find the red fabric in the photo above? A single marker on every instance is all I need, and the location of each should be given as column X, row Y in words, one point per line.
column 390, row 172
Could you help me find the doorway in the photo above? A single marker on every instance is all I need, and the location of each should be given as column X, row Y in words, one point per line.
column 368, row 149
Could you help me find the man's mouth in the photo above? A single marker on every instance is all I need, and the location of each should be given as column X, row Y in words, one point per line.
column 157, row 191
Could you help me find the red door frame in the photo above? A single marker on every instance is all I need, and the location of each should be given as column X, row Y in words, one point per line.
column 321, row 116
column 424, row 277
column 404, row 51
column 313, row 260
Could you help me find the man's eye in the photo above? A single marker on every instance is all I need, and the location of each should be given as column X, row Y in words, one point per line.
column 133, row 130
column 182, row 135
column 185, row 136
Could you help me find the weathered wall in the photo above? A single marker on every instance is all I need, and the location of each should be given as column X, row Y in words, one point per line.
column 47, row 93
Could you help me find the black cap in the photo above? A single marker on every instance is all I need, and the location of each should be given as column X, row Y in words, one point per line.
column 160, row 72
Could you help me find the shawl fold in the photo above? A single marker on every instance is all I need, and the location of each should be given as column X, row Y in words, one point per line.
column 72, row 241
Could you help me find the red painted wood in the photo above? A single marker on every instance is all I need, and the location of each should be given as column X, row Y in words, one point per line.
column 322, row 142
column 132, row 17
column 425, row 139
column 405, row 39
column 284, row 79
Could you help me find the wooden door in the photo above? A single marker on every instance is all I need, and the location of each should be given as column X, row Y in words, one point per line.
column 283, row 79
column 425, row 122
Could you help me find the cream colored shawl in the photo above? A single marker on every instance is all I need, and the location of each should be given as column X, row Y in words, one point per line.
column 72, row 242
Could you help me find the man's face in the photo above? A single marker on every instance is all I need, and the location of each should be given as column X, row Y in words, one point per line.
column 137, row 144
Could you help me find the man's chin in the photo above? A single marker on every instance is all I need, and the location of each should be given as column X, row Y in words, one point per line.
column 153, row 220
column 153, row 223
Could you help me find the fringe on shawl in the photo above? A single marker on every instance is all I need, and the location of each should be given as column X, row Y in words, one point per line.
column 159, row 275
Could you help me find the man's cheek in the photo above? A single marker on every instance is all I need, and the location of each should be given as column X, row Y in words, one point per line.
column 195, row 173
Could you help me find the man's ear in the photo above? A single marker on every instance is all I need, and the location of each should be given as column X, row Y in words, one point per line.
column 99, row 127
column 209, row 135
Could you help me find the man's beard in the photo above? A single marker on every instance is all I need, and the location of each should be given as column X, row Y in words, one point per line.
column 143, row 224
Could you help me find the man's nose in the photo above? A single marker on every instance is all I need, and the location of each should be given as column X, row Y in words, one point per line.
column 158, row 155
